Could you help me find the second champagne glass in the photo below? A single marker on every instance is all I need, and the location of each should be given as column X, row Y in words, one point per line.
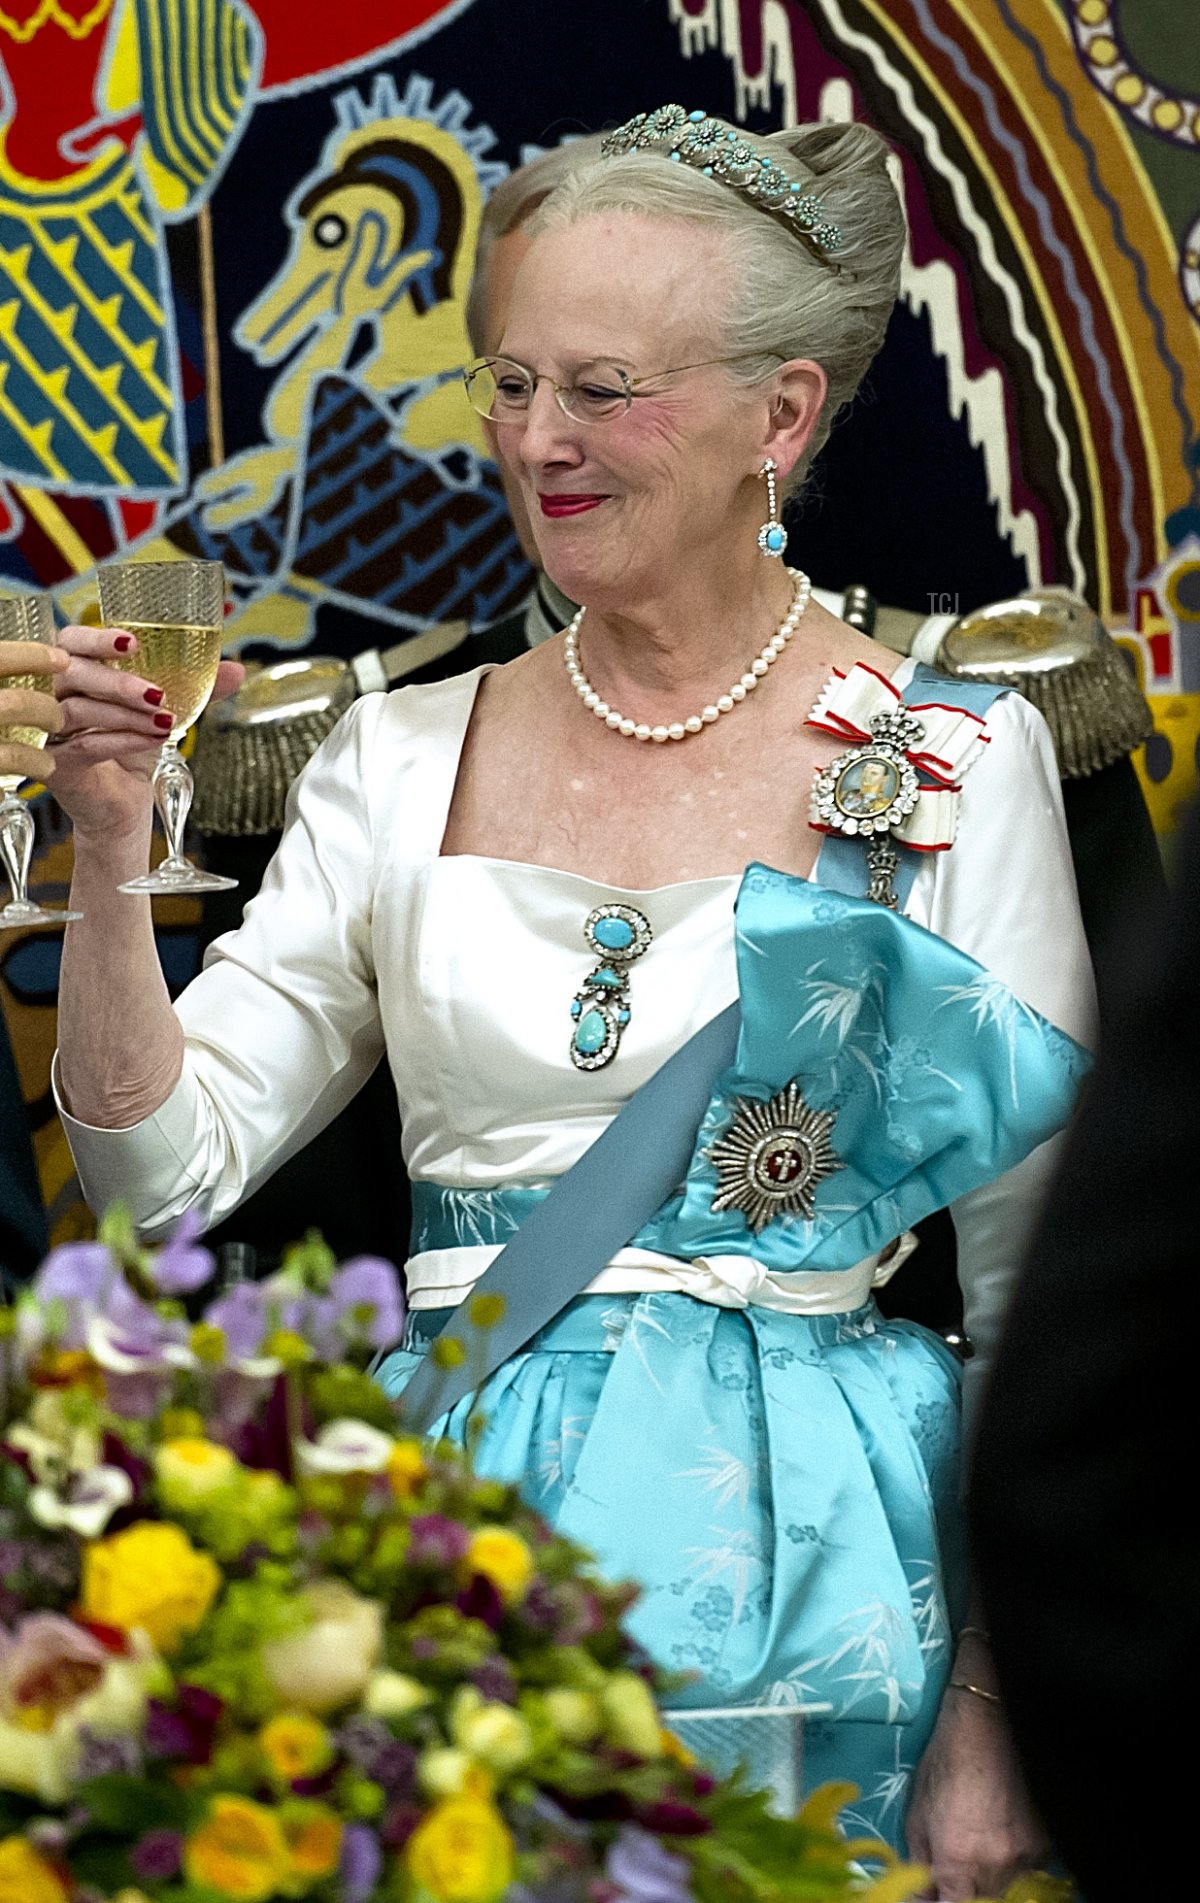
column 24, row 618
column 177, row 612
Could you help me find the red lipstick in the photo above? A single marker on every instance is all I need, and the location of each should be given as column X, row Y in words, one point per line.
column 568, row 505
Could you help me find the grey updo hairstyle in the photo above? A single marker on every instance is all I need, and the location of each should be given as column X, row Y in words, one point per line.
column 781, row 301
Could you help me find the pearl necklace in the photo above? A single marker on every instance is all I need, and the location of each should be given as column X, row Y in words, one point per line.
column 725, row 704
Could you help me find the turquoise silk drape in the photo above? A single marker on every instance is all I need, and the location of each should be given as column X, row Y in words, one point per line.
column 784, row 1486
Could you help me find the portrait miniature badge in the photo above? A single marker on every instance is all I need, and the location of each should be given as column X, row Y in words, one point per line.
column 870, row 790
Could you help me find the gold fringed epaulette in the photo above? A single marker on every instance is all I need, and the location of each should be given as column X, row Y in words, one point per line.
column 250, row 747
column 1049, row 646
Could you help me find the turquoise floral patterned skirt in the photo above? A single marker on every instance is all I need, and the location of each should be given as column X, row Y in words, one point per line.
column 783, row 1488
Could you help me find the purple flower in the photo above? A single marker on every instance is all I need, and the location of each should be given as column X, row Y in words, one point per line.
column 540, row 1607
column 362, row 1739
column 497, row 1681
column 644, row 1871
column 399, row 1822
column 241, row 1315
column 361, row 1863
column 105, row 1756
column 372, row 1749
column 179, row 1267
column 115, row 1453
column 673, row 1819
column 367, row 1301
column 436, row 1541
column 396, row 1768
column 75, row 1272
column 128, row 1337
column 158, row 1856
column 480, row 1600
column 186, row 1729
column 265, row 1439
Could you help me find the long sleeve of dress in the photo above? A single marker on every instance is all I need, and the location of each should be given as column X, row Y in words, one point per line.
column 282, row 1026
column 1006, row 894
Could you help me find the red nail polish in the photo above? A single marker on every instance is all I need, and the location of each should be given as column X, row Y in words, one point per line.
column 154, row 696
column 164, row 721
column 123, row 643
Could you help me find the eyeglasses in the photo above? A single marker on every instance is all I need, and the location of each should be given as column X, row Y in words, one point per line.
column 503, row 390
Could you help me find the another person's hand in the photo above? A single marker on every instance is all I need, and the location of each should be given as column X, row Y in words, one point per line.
column 970, row 1817
column 112, row 726
column 23, row 707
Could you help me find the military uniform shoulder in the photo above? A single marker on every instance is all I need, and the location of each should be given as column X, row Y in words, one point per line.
column 1048, row 646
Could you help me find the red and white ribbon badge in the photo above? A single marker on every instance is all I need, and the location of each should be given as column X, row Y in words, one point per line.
column 951, row 742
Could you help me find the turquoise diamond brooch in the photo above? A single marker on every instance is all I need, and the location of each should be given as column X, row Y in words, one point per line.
column 617, row 934
column 772, row 1157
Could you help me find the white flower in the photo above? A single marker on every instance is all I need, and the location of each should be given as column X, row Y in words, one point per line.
column 111, row 1345
column 41, row 1762
column 443, row 1771
column 394, row 1695
column 330, row 1661
column 53, row 1443
column 494, row 1735
column 345, row 1447
column 89, row 1502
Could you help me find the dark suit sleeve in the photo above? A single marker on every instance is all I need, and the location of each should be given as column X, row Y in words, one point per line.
column 23, row 1239
column 1081, row 1501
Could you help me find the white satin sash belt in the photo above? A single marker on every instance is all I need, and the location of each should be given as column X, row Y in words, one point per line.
column 442, row 1278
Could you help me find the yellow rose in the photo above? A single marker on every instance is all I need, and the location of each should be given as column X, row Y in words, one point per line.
column 329, row 1662
column 295, row 1745
column 406, row 1468
column 190, row 1470
column 149, row 1576
column 314, row 1839
column 631, row 1716
column 239, row 1851
column 504, row 1558
column 462, row 1852
column 25, row 1877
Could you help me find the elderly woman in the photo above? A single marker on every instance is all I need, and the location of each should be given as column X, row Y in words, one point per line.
column 520, row 885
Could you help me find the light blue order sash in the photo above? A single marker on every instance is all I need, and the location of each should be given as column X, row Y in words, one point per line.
column 570, row 1232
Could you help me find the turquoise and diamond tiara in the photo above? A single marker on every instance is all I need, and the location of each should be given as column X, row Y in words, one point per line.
column 720, row 151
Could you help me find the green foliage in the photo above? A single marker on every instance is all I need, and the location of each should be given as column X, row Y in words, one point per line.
column 251, row 1614
column 129, row 1806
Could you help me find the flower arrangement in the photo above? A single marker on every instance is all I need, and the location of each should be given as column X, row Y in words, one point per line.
column 258, row 1643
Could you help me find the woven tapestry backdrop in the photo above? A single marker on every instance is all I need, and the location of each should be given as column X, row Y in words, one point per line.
column 235, row 239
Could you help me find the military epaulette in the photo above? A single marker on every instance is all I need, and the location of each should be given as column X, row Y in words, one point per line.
column 250, row 747
column 1046, row 644
column 1051, row 647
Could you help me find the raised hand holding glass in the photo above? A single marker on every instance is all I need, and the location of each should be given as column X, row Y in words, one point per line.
column 177, row 611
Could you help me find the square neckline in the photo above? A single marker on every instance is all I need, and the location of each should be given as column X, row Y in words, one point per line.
column 561, row 872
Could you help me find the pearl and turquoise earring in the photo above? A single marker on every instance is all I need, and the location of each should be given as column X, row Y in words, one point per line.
column 617, row 934
column 772, row 537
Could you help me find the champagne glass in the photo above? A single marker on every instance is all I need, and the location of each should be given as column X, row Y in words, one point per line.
column 177, row 612
column 24, row 618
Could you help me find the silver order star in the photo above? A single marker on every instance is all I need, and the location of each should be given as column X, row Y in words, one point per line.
column 772, row 1157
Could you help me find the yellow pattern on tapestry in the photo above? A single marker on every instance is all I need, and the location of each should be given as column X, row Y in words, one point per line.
column 188, row 66
column 84, row 377
column 50, row 13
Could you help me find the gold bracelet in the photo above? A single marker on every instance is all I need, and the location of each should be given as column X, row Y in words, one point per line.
column 964, row 1685
column 975, row 1632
